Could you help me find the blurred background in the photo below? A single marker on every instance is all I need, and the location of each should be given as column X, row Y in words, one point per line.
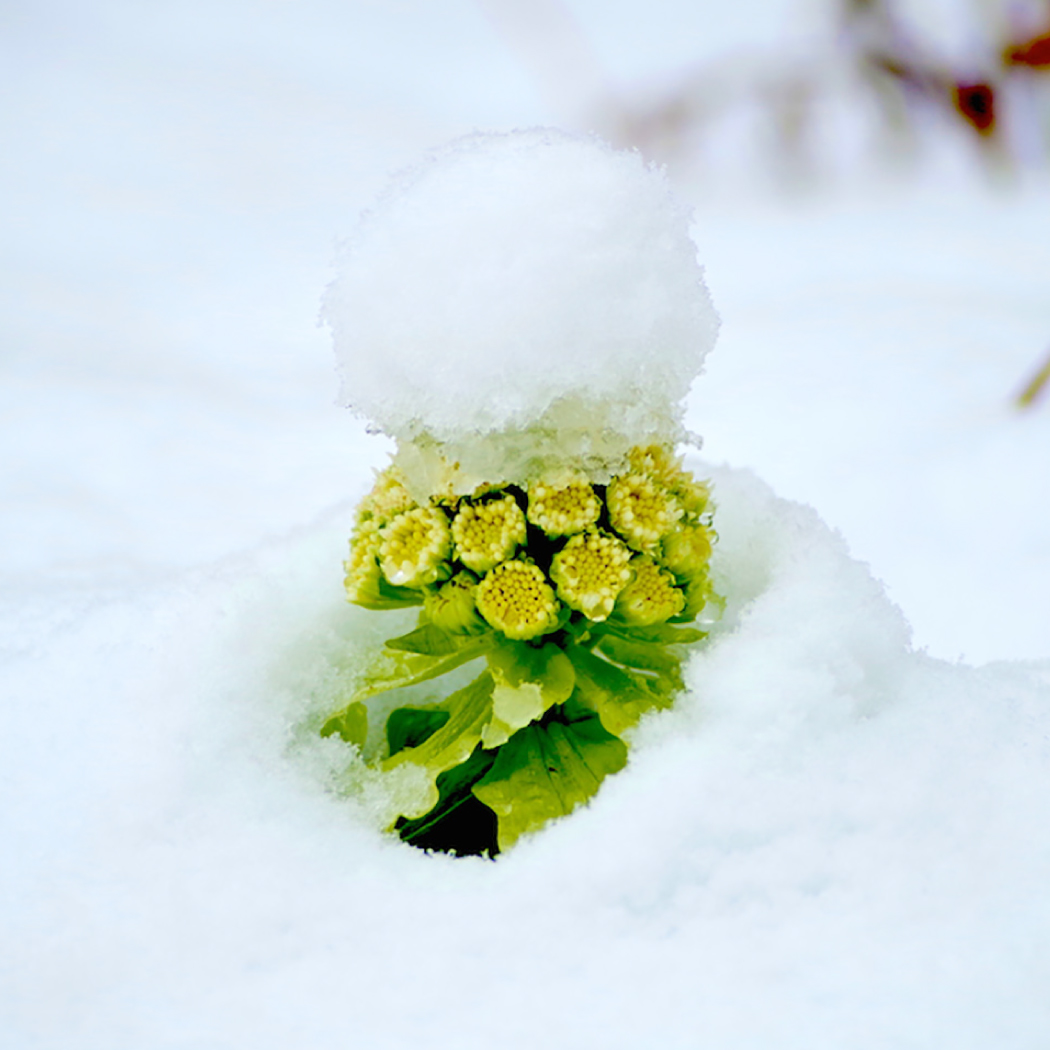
column 871, row 181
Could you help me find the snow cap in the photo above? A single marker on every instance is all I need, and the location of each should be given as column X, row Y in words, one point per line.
column 519, row 303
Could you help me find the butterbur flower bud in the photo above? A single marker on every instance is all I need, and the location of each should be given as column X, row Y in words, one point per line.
column 590, row 571
column 414, row 547
column 641, row 510
column 387, row 500
column 516, row 599
column 565, row 508
column 686, row 551
column 658, row 463
column 485, row 534
column 651, row 597
column 693, row 496
column 362, row 567
column 452, row 606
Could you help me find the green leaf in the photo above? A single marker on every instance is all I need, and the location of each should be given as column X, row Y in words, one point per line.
column 460, row 823
column 412, row 726
column 453, row 606
column 528, row 681
column 658, row 634
column 431, row 640
column 699, row 595
column 469, row 710
column 617, row 695
column 547, row 769
column 395, row 668
column 644, row 656
column 383, row 595
column 351, row 724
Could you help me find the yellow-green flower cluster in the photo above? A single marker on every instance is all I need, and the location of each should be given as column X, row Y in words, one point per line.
column 516, row 599
column 487, row 533
column 590, row 571
column 389, row 498
column 362, row 567
column 527, row 563
column 651, row 597
column 414, row 547
column 658, row 463
column 563, row 507
column 642, row 510
column 563, row 591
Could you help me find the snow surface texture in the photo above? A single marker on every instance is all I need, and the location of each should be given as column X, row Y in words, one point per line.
column 531, row 282
column 828, row 826
column 169, row 880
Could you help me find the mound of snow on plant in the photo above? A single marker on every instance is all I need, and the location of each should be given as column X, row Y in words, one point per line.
column 509, row 281
column 831, row 840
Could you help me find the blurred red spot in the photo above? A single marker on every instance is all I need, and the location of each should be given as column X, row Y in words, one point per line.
column 1035, row 53
column 976, row 103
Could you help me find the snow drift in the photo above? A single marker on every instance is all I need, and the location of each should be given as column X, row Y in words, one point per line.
column 828, row 826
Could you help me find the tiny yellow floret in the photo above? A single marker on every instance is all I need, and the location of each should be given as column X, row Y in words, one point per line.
column 590, row 571
column 641, row 510
column 414, row 547
column 516, row 599
column 485, row 534
column 565, row 508
column 651, row 597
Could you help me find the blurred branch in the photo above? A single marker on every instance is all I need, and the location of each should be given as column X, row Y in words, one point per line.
column 1034, row 53
column 902, row 74
column 873, row 50
column 877, row 62
column 1035, row 386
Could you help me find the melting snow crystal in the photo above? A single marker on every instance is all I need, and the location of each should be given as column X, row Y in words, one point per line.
column 519, row 301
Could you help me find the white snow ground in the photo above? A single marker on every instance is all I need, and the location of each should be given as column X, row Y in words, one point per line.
column 833, row 841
